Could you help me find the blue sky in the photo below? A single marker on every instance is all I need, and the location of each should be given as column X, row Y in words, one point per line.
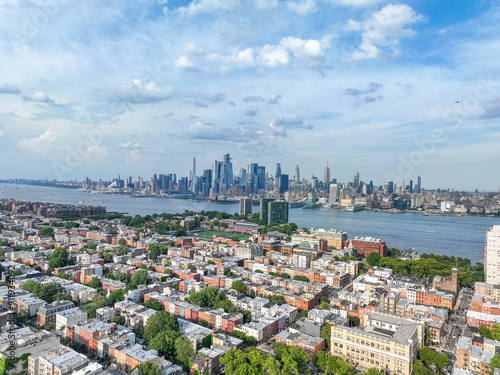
column 390, row 89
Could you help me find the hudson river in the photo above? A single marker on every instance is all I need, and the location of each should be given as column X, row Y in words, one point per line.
column 462, row 236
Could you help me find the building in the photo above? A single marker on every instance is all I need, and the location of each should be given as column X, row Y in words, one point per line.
column 70, row 317
column 246, row 205
column 387, row 343
column 264, row 209
column 492, row 255
column 55, row 361
column 449, row 283
column 367, row 245
column 334, row 238
column 47, row 314
column 278, row 212
column 310, row 344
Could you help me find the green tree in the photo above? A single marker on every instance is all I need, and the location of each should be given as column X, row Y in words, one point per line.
column 51, row 292
column 32, row 286
column 483, row 330
column 300, row 278
column 184, row 351
column 354, row 320
column 153, row 304
column 495, row 362
column 374, row 371
column 123, row 277
column 373, row 259
column 58, row 259
column 149, row 368
column 117, row 295
column 326, row 333
column 324, row 306
column 93, row 228
column 160, row 321
column 140, row 277
column 63, row 275
column 239, row 286
column 119, row 320
column 46, row 232
column 247, row 316
column 94, row 283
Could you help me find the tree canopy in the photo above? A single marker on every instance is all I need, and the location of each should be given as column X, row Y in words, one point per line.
column 140, row 277
column 59, row 258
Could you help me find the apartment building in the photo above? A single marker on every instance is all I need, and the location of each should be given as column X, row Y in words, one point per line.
column 55, row 361
column 47, row 314
column 387, row 343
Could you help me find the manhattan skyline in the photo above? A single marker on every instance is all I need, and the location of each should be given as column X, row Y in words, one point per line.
column 386, row 89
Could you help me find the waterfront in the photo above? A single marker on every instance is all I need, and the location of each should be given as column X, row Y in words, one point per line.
column 462, row 236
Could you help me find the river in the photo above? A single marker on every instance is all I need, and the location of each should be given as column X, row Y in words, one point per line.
column 462, row 236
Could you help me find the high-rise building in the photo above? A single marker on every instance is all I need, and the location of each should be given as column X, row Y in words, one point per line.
column 278, row 212
column 326, row 180
column 492, row 255
column 245, row 206
column 254, row 181
column 334, row 194
column 283, row 183
column 278, row 171
column 296, row 178
column 264, row 208
column 261, row 177
column 194, row 167
column 355, row 180
column 419, row 184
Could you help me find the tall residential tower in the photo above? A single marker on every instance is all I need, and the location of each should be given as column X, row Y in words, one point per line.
column 492, row 256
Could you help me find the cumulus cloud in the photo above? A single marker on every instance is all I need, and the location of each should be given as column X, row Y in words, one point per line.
column 214, row 98
column 253, row 98
column 131, row 145
column 40, row 145
column 134, row 156
column 303, row 7
column 39, row 97
column 292, row 123
column 184, row 63
column 365, row 95
column 492, row 110
column 274, row 100
column 251, row 112
column 354, row 3
column 382, row 31
column 139, row 92
column 200, row 104
column 9, row 89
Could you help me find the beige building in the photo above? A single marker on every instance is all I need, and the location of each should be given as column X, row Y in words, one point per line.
column 387, row 343
column 335, row 238
column 492, row 255
column 56, row 361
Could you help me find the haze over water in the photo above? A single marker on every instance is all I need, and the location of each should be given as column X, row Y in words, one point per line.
column 462, row 236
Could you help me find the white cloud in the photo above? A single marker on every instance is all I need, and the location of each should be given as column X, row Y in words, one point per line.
column 304, row 7
column 40, row 145
column 273, row 56
column 184, row 63
column 266, row 4
column 354, row 3
column 134, row 157
column 40, row 97
column 137, row 92
column 131, row 145
column 382, row 31
column 208, row 6
column 305, row 49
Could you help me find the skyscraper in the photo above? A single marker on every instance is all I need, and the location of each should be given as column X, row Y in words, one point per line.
column 296, row 178
column 278, row 171
column 194, row 167
column 334, row 194
column 492, row 256
column 261, row 177
column 264, row 208
column 277, row 212
column 245, row 206
column 326, row 178
column 254, row 181
column 419, row 186
column 355, row 180
column 283, row 183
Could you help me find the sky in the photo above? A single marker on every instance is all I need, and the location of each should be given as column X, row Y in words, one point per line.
column 393, row 90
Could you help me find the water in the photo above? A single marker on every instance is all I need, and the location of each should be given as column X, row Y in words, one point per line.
column 462, row 236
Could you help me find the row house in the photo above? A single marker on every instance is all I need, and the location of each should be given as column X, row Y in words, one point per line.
column 47, row 314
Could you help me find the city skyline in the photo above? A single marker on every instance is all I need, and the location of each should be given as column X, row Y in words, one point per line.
column 391, row 90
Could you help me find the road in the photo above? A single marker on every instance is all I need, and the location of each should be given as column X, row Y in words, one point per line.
column 457, row 323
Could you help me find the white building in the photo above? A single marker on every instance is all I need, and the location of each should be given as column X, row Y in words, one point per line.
column 492, row 255
column 55, row 361
column 70, row 317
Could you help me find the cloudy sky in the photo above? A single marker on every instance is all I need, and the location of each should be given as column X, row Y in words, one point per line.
column 390, row 89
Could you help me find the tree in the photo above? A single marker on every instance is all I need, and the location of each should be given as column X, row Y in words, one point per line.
column 239, row 286
column 324, row 306
column 94, row 283
column 46, row 232
column 300, row 278
column 160, row 321
column 495, row 362
column 93, row 228
column 32, row 286
column 164, row 342
column 326, row 334
column 374, row 371
column 483, row 330
column 117, row 295
column 122, row 241
column 154, row 252
column 251, row 294
column 247, row 316
column 58, row 259
column 140, row 277
column 51, row 292
column 284, row 275
column 184, row 351
column 495, row 331
column 119, row 320
column 123, row 277
column 373, row 259
column 63, row 275
column 153, row 304
column 149, row 368
column 354, row 320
